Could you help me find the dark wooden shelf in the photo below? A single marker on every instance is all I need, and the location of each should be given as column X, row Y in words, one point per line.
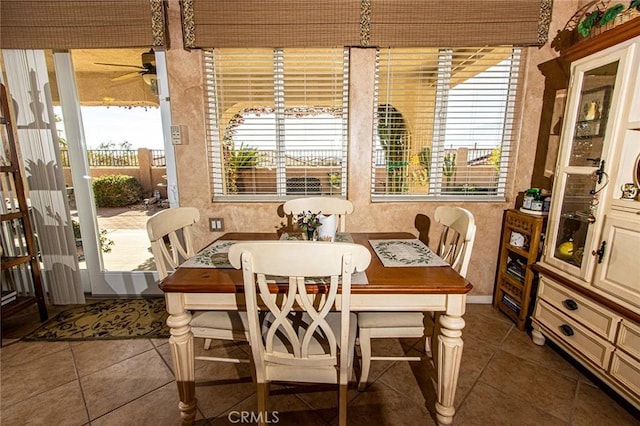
column 21, row 236
column 519, row 290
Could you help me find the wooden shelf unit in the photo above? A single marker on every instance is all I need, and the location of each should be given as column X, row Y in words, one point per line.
column 19, row 263
column 513, row 292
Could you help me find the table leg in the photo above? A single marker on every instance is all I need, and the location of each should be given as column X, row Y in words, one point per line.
column 448, row 359
column 181, row 342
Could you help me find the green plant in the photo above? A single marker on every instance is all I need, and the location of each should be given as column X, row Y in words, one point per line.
column 105, row 242
column 449, row 167
column 394, row 138
column 238, row 160
column 116, row 190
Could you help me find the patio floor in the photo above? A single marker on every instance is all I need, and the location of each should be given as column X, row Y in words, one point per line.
column 126, row 227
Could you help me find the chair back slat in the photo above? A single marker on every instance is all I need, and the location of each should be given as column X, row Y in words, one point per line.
column 326, row 205
column 281, row 338
column 174, row 225
column 457, row 237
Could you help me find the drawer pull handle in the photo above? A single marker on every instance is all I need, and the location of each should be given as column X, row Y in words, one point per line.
column 570, row 304
column 566, row 330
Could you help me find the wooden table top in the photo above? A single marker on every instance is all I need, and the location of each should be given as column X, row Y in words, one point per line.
column 382, row 280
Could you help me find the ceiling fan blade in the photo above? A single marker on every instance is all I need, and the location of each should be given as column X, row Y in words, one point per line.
column 126, row 76
column 120, row 65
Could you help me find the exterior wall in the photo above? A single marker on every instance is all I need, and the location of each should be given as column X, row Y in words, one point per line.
column 150, row 177
column 188, row 108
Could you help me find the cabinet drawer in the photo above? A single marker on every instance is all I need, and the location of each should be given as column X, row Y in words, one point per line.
column 593, row 316
column 629, row 338
column 590, row 345
column 626, row 370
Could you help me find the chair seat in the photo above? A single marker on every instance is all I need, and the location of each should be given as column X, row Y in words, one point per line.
column 390, row 319
column 222, row 320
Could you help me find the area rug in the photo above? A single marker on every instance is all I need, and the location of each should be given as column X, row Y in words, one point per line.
column 107, row 319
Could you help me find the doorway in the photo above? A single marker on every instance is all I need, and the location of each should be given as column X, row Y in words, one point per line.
column 119, row 116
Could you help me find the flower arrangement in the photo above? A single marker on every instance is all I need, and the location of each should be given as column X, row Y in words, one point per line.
column 308, row 221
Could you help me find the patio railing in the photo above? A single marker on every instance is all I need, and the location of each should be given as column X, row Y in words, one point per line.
column 116, row 158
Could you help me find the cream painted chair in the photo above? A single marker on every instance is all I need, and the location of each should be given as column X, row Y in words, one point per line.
column 308, row 344
column 326, row 205
column 455, row 246
column 175, row 225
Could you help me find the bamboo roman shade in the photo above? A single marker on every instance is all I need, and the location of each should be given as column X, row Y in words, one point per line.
column 81, row 24
column 427, row 23
column 394, row 23
column 273, row 23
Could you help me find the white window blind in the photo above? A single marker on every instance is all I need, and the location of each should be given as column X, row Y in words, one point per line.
column 443, row 122
column 277, row 122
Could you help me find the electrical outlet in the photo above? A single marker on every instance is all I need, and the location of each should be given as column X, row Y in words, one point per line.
column 216, row 224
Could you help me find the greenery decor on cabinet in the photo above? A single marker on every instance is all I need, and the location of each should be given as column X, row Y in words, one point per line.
column 605, row 17
column 519, row 249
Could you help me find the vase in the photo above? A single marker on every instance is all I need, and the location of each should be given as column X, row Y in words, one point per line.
column 311, row 234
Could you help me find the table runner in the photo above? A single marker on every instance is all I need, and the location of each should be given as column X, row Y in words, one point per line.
column 398, row 253
column 341, row 237
column 216, row 255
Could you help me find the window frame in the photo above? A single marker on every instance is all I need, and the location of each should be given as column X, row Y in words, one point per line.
column 215, row 144
column 506, row 145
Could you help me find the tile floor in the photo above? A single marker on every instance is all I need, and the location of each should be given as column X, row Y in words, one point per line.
column 504, row 380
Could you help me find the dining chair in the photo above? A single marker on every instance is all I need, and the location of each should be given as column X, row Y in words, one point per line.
column 325, row 205
column 455, row 246
column 299, row 338
column 174, row 226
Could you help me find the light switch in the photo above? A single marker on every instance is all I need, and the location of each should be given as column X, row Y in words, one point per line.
column 178, row 134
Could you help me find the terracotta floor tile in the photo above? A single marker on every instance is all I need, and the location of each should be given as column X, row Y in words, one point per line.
column 63, row 405
column 541, row 387
column 26, row 380
column 486, row 405
column 594, row 407
column 116, row 385
column 158, row 407
column 95, row 355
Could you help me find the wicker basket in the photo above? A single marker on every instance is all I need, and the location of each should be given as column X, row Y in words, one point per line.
column 623, row 17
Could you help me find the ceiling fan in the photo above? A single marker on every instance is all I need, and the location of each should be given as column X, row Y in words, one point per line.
column 147, row 70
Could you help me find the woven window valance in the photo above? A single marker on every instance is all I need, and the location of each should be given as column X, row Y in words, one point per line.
column 273, row 23
column 396, row 23
column 81, row 24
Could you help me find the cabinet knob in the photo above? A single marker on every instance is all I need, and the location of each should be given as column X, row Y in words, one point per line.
column 566, row 330
column 570, row 304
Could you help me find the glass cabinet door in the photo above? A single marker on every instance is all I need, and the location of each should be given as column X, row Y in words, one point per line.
column 581, row 172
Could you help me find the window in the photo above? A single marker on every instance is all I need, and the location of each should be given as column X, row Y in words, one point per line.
column 443, row 122
column 277, row 122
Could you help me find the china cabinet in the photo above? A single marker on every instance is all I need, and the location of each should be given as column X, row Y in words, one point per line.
column 588, row 299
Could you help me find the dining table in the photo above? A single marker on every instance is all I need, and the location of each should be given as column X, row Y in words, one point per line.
column 410, row 287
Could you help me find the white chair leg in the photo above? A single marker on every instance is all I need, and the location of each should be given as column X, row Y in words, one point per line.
column 365, row 359
column 207, row 344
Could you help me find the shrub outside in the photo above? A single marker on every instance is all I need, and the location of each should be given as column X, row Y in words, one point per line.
column 116, row 190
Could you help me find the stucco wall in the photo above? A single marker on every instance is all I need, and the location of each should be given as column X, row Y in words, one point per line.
column 188, row 108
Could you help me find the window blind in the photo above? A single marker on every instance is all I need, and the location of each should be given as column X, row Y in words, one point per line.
column 443, row 122
column 277, row 122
